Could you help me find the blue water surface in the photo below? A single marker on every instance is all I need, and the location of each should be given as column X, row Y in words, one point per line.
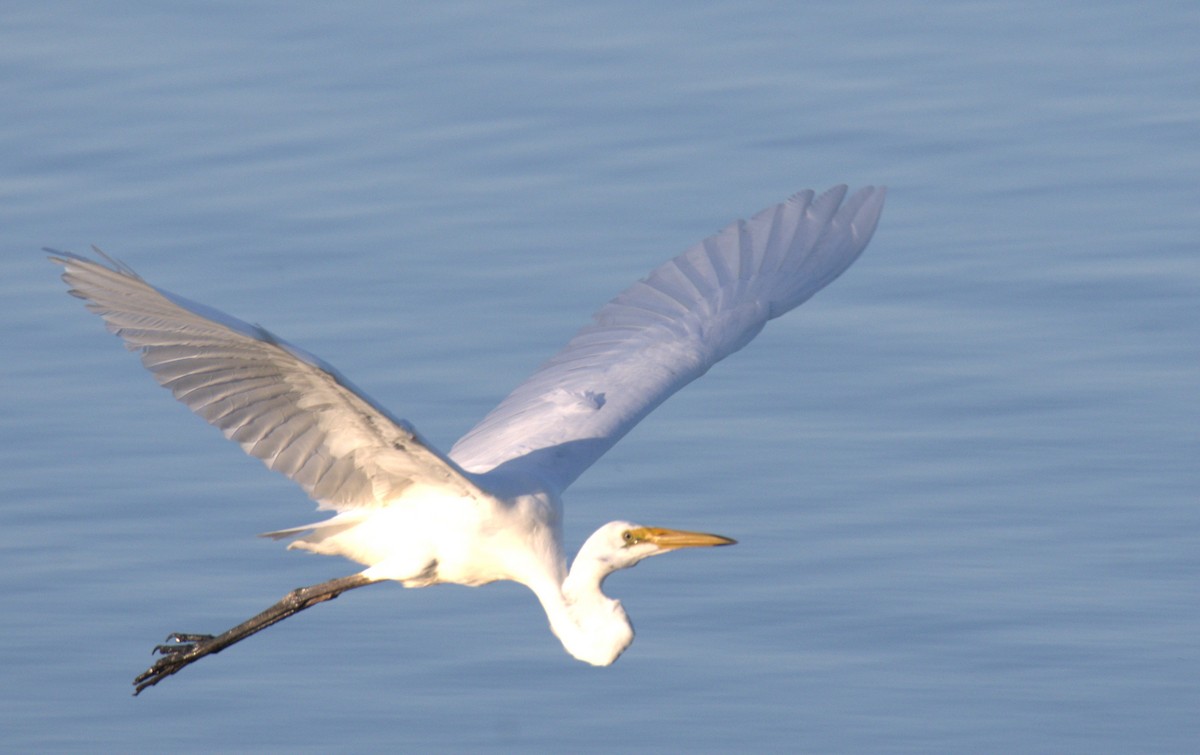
column 964, row 479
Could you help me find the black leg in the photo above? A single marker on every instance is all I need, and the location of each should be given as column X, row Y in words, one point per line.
column 186, row 649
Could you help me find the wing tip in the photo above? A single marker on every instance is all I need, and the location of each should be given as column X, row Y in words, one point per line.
column 106, row 262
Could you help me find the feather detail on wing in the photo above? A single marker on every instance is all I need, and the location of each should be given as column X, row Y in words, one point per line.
column 284, row 406
column 665, row 331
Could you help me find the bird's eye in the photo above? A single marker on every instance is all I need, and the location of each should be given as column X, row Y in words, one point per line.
column 628, row 537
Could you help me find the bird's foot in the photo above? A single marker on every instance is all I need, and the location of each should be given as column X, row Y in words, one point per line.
column 181, row 649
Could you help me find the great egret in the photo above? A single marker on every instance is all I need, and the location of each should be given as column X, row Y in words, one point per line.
column 491, row 508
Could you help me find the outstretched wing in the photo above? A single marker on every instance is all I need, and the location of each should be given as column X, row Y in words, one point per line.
column 667, row 330
column 283, row 405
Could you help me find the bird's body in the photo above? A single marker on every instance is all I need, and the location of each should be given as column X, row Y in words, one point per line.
column 491, row 508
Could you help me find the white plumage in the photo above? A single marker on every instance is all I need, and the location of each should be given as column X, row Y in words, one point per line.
column 490, row 509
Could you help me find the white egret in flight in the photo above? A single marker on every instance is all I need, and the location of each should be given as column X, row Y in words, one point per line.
column 490, row 509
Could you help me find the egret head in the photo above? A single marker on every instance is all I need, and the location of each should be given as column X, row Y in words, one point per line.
column 597, row 630
column 620, row 545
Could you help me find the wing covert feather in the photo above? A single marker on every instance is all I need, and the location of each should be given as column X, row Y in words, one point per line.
column 284, row 406
column 666, row 330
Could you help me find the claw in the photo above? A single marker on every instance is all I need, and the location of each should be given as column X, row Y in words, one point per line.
column 180, row 643
column 183, row 637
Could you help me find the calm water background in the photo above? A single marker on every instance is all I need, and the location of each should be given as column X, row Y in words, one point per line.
column 964, row 478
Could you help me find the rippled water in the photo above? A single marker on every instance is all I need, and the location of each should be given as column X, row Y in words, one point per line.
column 964, row 479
